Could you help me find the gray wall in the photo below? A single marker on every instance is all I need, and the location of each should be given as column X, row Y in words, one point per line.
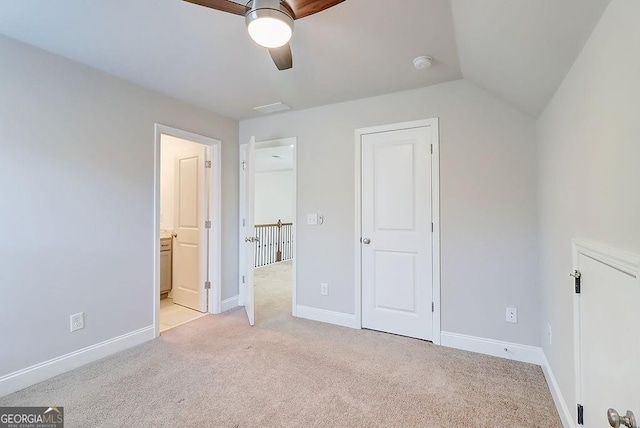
column 77, row 180
column 589, row 148
column 488, row 203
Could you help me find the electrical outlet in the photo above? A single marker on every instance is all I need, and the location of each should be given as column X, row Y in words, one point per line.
column 324, row 289
column 549, row 333
column 512, row 315
column 77, row 321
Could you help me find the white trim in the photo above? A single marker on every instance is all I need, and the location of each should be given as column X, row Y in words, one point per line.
column 215, row 204
column 433, row 124
column 496, row 348
column 230, row 303
column 561, row 404
column 288, row 141
column 330, row 317
column 623, row 261
column 435, row 217
column 39, row 372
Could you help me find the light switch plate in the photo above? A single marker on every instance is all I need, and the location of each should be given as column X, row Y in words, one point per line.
column 312, row 219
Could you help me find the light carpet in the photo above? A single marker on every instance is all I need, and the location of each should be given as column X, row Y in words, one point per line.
column 285, row 372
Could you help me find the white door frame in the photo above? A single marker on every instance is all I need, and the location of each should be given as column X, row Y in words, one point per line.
column 623, row 261
column 289, row 141
column 435, row 212
column 215, row 209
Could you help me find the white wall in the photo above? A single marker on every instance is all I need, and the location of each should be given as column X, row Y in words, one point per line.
column 275, row 197
column 77, row 177
column 488, row 203
column 589, row 149
column 170, row 148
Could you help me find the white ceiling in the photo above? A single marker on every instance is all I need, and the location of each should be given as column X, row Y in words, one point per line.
column 269, row 159
column 518, row 49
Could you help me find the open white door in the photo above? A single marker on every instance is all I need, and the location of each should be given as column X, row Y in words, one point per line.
column 190, row 246
column 248, row 241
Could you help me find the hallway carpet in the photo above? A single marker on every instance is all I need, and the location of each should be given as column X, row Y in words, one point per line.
column 285, row 372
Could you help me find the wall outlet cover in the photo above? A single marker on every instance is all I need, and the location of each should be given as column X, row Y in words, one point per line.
column 512, row 315
column 77, row 321
column 324, row 289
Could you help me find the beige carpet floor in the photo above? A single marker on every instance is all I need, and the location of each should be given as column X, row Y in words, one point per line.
column 218, row 372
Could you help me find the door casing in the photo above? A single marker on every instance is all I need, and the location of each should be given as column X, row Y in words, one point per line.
column 214, row 178
column 435, row 210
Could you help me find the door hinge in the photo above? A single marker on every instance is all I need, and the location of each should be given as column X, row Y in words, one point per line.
column 207, row 224
column 433, row 307
column 207, row 285
column 244, row 165
column 431, row 227
column 207, row 164
column 580, row 414
column 576, row 276
column 432, row 149
column 243, row 279
column 244, row 222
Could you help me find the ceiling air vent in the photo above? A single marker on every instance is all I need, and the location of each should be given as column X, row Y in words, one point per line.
column 272, row 108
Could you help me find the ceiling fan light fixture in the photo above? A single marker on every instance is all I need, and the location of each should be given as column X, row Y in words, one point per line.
column 269, row 24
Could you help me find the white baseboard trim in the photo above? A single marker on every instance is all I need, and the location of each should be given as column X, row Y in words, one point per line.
column 37, row 373
column 496, row 348
column 566, row 416
column 323, row 315
column 230, row 303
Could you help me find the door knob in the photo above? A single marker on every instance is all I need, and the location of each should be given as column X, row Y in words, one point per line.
column 366, row 241
column 615, row 420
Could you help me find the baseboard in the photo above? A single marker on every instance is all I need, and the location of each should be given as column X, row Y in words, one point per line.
column 230, row 303
column 37, row 373
column 496, row 348
column 566, row 416
column 330, row 317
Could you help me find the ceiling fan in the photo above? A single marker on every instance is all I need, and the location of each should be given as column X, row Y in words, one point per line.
column 270, row 22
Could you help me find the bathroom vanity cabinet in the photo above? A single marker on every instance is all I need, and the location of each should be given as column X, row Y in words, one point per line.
column 165, row 266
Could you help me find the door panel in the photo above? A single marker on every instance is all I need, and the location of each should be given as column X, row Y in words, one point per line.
column 396, row 220
column 609, row 344
column 189, row 251
column 395, row 281
column 394, row 187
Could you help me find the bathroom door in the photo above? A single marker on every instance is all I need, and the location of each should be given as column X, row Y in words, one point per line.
column 190, row 249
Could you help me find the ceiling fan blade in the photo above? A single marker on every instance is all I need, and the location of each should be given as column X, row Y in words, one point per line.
column 282, row 57
column 302, row 8
column 222, row 5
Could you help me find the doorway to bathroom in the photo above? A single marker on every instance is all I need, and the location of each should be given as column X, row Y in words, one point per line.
column 187, row 283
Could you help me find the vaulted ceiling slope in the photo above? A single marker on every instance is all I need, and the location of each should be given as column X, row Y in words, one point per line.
column 518, row 49
column 521, row 49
